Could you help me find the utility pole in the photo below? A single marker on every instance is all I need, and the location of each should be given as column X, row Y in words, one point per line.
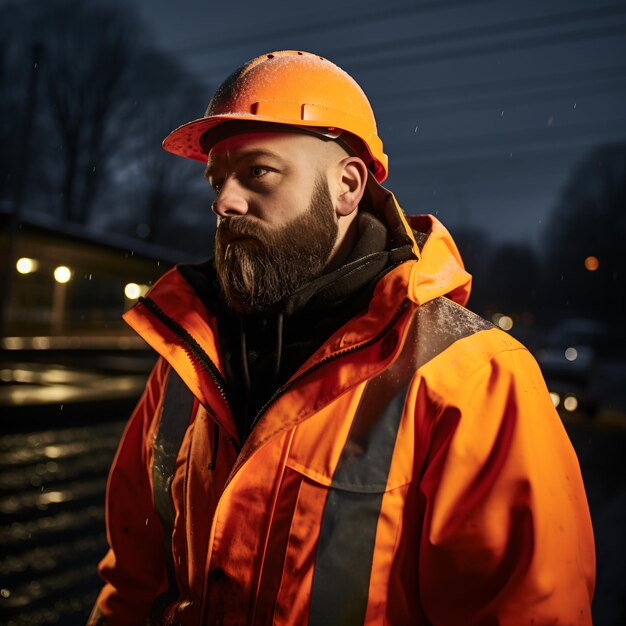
column 20, row 190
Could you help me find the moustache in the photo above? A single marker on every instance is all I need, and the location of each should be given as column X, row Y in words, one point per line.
column 232, row 228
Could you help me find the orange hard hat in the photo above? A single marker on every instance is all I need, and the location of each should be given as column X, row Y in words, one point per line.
column 294, row 88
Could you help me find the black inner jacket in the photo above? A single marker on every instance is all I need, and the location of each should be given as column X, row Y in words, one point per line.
column 262, row 351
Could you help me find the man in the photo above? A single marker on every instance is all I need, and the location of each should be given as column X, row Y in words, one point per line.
column 330, row 437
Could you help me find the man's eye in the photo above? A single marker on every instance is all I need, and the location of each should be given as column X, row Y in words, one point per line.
column 217, row 185
column 257, row 171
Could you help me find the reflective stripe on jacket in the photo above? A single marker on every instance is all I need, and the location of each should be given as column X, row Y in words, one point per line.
column 412, row 471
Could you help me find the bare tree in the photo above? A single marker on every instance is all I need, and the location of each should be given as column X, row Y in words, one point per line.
column 15, row 70
column 87, row 51
column 105, row 99
column 165, row 190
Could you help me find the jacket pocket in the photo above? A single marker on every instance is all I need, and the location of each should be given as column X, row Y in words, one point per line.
column 339, row 533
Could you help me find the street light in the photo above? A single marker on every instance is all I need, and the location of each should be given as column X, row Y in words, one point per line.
column 132, row 291
column 505, row 322
column 26, row 265
column 592, row 263
column 570, row 403
column 62, row 274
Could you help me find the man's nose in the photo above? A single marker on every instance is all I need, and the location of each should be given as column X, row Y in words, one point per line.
column 230, row 200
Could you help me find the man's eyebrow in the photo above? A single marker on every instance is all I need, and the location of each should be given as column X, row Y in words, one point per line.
column 243, row 156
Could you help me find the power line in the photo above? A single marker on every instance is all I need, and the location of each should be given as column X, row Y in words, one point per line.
column 499, row 29
column 453, row 36
column 470, row 105
column 365, row 15
column 495, row 86
column 550, row 39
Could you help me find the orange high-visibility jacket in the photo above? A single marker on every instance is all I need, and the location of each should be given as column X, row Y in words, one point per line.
column 412, row 471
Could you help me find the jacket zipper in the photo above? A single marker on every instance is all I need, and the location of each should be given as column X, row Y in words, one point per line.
column 331, row 357
column 195, row 350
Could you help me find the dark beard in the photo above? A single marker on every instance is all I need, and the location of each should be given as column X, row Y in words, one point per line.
column 256, row 273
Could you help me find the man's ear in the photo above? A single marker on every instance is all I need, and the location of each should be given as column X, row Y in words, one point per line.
column 353, row 177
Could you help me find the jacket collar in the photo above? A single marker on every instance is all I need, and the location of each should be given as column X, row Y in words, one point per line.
column 436, row 270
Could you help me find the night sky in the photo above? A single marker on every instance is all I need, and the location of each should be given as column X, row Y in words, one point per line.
column 484, row 106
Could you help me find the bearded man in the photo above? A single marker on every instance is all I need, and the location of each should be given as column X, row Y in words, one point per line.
column 329, row 436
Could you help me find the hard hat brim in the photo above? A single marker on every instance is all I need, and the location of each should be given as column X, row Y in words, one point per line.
column 186, row 140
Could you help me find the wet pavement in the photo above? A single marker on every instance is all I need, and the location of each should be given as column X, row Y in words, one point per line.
column 52, row 484
column 29, row 380
column 52, row 487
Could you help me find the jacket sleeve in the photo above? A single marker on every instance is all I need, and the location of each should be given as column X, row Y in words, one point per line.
column 507, row 535
column 134, row 567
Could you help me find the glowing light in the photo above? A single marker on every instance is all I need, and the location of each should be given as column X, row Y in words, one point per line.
column 41, row 343
column 132, row 291
column 23, row 376
column 26, row 265
column 505, row 322
column 53, row 497
column 53, row 452
column 555, row 397
column 570, row 403
column 571, row 354
column 13, row 343
column 62, row 274
column 592, row 263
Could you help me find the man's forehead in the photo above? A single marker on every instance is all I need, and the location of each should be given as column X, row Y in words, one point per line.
column 248, row 129
column 280, row 145
column 242, row 141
